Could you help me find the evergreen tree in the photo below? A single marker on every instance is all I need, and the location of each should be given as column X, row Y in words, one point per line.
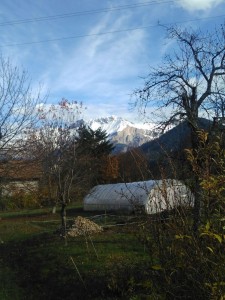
column 95, row 143
column 93, row 148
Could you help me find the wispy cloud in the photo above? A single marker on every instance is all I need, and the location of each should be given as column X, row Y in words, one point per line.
column 101, row 67
column 192, row 5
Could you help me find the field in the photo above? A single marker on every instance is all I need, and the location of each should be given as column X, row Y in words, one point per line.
column 35, row 263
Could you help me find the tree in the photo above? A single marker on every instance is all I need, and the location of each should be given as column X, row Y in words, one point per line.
column 71, row 156
column 133, row 166
column 54, row 143
column 110, row 169
column 18, row 104
column 94, row 149
column 189, row 81
column 94, row 142
column 211, row 173
column 18, row 112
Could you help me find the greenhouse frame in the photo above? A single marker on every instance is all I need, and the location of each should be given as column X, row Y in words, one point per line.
column 153, row 196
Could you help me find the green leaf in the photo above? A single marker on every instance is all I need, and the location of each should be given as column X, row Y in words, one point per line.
column 178, row 237
column 157, row 267
column 207, row 226
column 213, row 235
column 218, row 237
column 182, row 236
column 210, row 249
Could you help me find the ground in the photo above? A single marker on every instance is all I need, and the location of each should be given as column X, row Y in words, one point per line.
column 36, row 264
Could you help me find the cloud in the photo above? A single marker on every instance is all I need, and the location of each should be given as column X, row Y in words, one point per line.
column 193, row 5
column 101, row 70
column 101, row 67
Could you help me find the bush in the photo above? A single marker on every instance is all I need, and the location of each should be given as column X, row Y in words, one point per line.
column 19, row 200
column 185, row 265
column 190, row 263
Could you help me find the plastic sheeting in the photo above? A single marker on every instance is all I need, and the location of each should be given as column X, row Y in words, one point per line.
column 152, row 195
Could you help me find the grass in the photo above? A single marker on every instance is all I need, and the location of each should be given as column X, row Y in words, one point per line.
column 42, row 211
column 35, row 261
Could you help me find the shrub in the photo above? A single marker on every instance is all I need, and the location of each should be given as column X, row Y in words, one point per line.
column 190, row 264
column 19, row 200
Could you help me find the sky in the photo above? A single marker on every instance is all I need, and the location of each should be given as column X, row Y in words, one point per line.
column 96, row 51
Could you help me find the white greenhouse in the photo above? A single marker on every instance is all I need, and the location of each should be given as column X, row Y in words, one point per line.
column 153, row 195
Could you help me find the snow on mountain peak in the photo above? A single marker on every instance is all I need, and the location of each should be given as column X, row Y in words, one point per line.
column 112, row 124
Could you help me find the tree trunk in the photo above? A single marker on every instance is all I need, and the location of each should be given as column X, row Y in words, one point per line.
column 54, row 209
column 197, row 205
column 63, row 219
column 197, row 191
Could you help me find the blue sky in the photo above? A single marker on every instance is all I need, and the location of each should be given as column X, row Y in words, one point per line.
column 101, row 69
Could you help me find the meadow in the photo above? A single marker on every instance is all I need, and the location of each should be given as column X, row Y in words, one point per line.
column 134, row 257
column 35, row 263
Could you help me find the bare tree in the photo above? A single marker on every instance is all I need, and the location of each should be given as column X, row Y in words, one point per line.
column 53, row 142
column 18, row 103
column 189, row 81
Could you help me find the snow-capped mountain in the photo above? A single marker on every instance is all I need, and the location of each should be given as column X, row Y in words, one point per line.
column 114, row 124
column 124, row 134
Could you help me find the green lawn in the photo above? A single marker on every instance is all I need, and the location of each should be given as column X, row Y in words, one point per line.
column 36, row 264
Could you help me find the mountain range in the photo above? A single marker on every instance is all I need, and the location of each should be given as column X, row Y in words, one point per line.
column 174, row 140
column 125, row 134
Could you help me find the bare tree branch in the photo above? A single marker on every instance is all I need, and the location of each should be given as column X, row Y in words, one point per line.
column 187, row 78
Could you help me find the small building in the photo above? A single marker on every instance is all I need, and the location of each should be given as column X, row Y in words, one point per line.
column 152, row 195
column 19, row 176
